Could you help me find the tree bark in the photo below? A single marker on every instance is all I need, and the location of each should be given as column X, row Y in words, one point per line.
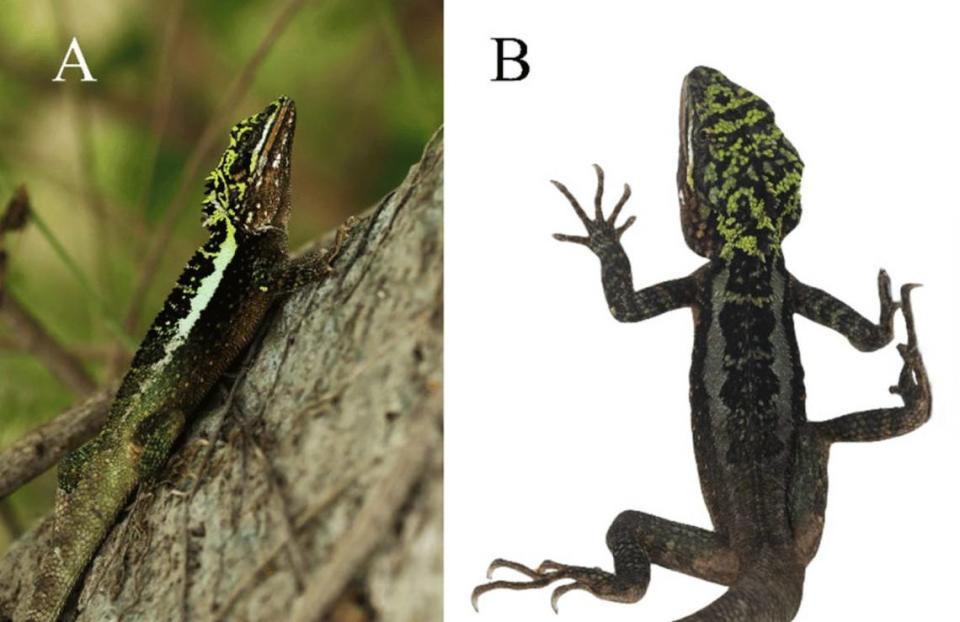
column 312, row 488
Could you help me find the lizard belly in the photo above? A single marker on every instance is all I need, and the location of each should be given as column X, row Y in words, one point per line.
column 744, row 380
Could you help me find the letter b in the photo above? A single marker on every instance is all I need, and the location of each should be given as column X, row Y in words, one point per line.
column 518, row 58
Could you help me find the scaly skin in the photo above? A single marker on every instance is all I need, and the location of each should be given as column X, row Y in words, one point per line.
column 212, row 313
column 762, row 465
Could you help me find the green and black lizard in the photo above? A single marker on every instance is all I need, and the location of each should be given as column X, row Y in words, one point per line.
column 762, row 464
column 213, row 312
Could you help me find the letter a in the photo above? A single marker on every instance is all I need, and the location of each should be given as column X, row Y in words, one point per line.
column 81, row 63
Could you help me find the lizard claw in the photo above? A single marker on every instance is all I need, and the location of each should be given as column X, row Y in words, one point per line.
column 619, row 230
column 912, row 386
column 538, row 579
column 343, row 232
column 576, row 239
column 548, row 565
column 907, row 309
column 560, row 591
column 504, row 563
column 886, row 299
column 598, row 582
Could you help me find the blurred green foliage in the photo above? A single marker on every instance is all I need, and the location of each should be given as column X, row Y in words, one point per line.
column 367, row 79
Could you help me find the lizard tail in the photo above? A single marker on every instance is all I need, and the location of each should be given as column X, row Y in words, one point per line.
column 768, row 591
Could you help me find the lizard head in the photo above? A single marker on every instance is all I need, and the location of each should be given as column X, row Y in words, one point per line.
column 250, row 185
column 739, row 177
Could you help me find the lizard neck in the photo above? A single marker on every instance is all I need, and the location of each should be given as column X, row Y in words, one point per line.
column 751, row 279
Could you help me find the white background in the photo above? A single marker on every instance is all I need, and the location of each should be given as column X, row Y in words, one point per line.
column 558, row 417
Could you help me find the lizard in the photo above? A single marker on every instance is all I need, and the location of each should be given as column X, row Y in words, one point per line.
column 762, row 464
column 213, row 312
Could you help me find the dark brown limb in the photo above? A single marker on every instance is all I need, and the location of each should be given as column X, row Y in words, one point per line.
column 313, row 265
column 913, row 387
column 820, row 307
column 603, row 238
column 635, row 540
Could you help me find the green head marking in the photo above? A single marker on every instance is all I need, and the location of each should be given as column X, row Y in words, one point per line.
column 739, row 177
column 248, row 188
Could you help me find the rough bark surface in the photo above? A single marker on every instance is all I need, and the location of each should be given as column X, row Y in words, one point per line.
column 313, row 488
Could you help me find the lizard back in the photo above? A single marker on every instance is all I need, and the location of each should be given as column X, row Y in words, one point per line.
column 225, row 289
column 746, row 394
column 739, row 180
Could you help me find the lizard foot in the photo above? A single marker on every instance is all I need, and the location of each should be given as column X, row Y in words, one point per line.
column 601, row 232
column 310, row 267
column 344, row 231
column 600, row 583
column 913, row 385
